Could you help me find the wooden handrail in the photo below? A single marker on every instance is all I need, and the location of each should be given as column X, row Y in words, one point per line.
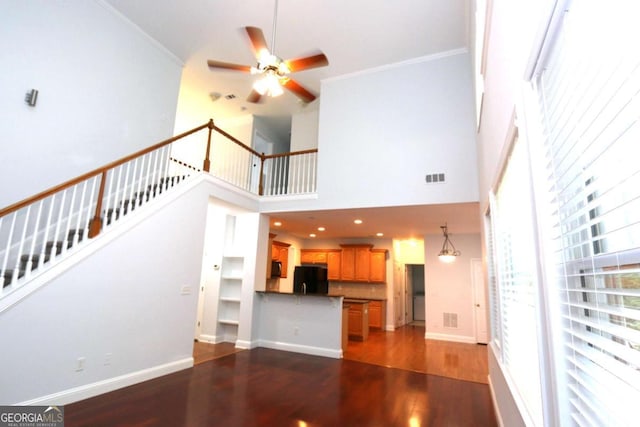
column 29, row 200
column 293, row 153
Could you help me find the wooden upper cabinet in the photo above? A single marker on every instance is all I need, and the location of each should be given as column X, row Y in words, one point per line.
column 378, row 266
column 363, row 264
column 348, row 264
column 280, row 252
column 334, row 258
column 313, row 256
column 352, row 263
column 355, row 263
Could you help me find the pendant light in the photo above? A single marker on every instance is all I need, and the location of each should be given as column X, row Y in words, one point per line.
column 448, row 253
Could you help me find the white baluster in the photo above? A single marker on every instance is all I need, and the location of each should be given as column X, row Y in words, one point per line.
column 59, row 221
column 16, row 270
column 81, row 208
column 34, row 238
column 7, row 250
column 47, row 228
column 70, row 214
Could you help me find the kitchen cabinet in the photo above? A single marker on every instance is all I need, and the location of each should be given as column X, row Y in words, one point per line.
column 358, row 319
column 334, row 258
column 378, row 266
column 280, row 252
column 356, row 261
column 351, row 263
column 313, row 256
column 377, row 314
column 330, row 257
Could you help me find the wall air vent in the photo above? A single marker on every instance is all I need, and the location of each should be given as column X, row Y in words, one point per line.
column 450, row 320
column 230, row 96
column 432, row 178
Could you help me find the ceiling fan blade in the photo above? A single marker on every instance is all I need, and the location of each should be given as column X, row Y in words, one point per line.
column 228, row 66
column 257, row 40
column 313, row 61
column 254, row 97
column 299, row 91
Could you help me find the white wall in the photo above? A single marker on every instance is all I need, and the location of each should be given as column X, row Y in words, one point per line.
column 106, row 90
column 385, row 130
column 124, row 303
column 304, row 130
column 449, row 287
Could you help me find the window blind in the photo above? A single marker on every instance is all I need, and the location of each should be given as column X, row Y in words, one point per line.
column 496, row 336
column 589, row 97
column 515, row 257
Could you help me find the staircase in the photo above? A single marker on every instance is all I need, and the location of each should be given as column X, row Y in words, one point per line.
column 30, row 263
column 37, row 232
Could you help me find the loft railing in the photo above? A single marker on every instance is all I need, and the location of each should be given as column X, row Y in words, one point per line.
column 263, row 174
column 289, row 173
column 40, row 229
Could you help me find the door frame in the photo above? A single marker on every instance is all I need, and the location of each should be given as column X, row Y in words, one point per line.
column 480, row 314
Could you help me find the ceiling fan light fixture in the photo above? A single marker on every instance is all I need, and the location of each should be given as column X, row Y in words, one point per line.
column 268, row 85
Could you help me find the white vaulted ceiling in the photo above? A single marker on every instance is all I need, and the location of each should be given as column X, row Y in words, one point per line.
column 355, row 35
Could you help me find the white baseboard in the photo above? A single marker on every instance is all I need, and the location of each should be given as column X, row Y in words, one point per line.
column 449, row 337
column 211, row 339
column 246, row 344
column 298, row 348
column 494, row 401
column 90, row 390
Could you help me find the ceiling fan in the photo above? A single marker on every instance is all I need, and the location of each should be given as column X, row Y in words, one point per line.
column 274, row 71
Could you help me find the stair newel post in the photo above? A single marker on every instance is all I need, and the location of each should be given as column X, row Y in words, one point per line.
column 207, row 163
column 95, row 225
column 261, row 183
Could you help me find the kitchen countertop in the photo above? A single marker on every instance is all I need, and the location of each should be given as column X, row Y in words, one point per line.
column 353, row 300
column 299, row 294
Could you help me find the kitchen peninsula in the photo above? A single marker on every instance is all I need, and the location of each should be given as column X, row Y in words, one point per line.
column 322, row 324
column 303, row 323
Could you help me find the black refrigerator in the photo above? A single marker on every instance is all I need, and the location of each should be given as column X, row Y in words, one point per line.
column 310, row 280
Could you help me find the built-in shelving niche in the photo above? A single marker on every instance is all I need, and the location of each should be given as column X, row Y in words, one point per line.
column 231, row 280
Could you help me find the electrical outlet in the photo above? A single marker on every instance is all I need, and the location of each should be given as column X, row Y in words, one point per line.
column 185, row 290
column 80, row 364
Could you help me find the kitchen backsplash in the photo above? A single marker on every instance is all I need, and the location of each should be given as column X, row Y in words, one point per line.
column 358, row 290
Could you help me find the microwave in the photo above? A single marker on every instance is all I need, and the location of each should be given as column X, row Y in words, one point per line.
column 276, row 268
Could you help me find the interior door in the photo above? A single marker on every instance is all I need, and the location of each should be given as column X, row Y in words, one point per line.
column 480, row 304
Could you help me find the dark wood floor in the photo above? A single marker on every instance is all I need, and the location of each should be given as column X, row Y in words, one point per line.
column 263, row 387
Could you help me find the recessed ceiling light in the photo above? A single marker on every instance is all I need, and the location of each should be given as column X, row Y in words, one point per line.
column 277, row 223
column 312, row 235
column 379, row 234
column 321, row 228
column 357, row 221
